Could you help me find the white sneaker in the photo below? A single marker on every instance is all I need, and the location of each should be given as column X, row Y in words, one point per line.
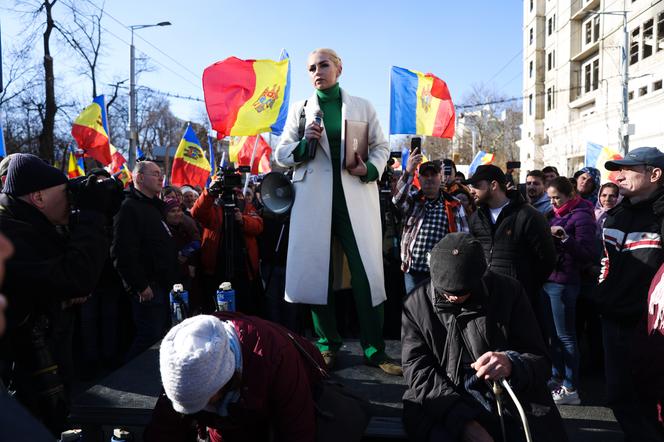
column 563, row 396
column 554, row 384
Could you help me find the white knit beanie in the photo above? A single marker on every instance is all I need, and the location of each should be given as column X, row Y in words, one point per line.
column 195, row 360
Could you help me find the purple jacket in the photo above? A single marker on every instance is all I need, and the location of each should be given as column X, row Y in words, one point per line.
column 579, row 249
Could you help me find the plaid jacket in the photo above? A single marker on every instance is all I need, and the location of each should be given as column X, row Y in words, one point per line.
column 411, row 204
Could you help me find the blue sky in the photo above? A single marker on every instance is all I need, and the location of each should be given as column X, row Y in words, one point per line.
column 461, row 42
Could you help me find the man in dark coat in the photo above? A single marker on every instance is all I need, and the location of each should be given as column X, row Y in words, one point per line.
column 238, row 377
column 145, row 255
column 459, row 334
column 49, row 270
column 632, row 254
column 516, row 238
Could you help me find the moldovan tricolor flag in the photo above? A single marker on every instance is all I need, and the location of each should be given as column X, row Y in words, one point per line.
column 189, row 164
column 118, row 167
column 76, row 166
column 90, row 130
column 480, row 159
column 240, row 149
column 247, row 97
column 420, row 104
column 597, row 155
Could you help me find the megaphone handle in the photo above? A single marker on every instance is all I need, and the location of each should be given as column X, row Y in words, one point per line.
column 281, row 235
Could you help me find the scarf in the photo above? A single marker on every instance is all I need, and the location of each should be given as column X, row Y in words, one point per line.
column 567, row 207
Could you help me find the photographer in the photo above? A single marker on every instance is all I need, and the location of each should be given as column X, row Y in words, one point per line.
column 49, row 271
column 145, row 256
column 229, row 257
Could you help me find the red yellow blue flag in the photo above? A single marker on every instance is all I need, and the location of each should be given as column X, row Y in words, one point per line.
column 90, row 130
column 189, row 164
column 247, row 97
column 597, row 155
column 118, row 167
column 420, row 104
column 240, row 151
column 76, row 166
column 481, row 158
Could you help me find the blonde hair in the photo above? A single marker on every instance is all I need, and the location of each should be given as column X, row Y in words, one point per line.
column 330, row 53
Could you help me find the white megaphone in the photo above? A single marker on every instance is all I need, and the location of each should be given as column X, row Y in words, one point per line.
column 277, row 193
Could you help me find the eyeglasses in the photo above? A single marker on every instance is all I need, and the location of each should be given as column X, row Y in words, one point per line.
column 154, row 174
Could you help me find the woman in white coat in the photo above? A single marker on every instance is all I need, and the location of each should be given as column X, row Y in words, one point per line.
column 332, row 202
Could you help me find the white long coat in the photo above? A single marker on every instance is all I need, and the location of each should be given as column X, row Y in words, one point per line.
column 308, row 265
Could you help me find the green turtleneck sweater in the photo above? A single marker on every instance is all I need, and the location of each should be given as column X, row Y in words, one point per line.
column 330, row 103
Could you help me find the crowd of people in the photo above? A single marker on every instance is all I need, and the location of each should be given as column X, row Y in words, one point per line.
column 484, row 279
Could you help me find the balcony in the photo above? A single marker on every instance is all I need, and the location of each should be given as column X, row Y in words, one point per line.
column 586, row 52
column 586, row 7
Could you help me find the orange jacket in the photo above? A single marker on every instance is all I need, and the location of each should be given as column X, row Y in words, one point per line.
column 211, row 217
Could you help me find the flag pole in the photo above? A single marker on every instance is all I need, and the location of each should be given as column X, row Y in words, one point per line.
column 251, row 165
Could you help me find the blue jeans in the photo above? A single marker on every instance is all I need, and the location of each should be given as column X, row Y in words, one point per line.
column 560, row 305
column 412, row 278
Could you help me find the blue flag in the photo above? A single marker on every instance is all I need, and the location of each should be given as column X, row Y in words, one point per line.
column 213, row 164
column 3, row 151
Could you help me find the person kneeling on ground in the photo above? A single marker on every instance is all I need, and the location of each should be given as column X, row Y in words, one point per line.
column 460, row 334
column 240, row 377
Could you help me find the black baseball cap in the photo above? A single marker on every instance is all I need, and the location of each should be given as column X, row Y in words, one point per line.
column 641, row 156
column 429, row 166
column 487, row 172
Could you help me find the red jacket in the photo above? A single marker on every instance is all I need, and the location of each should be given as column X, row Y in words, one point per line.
column 211, row 217
column 276, row 392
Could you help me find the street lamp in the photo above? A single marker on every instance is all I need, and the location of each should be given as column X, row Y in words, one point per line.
column 133, row 132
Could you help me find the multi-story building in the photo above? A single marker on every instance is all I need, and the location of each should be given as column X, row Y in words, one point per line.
column 572, row 77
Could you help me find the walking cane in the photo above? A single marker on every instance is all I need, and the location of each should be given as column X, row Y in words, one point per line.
column 498, row 392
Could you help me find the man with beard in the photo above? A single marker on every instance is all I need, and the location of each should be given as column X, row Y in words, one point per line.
column 516, row 238
column 537, row 196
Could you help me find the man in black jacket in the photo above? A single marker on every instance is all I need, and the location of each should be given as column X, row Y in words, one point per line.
column 145, row 256
column 632, row 255
column 48, row 271
column 516, row 238
column 461, row 333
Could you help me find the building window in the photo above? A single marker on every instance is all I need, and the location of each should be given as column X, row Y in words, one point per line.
column 647, row 38
column 590, row 71
column 551, row 24
column 530, row 104
column 530, row 69
column 532, row 2
column 657, row 85
column 660, row 31
column 630, row 95
column 643, row 91
column 634, row 46
column 531, row 36
column 591, row 31
column 551, row 98
column 551, row 60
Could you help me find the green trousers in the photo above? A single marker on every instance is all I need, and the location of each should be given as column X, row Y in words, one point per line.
column 371, row 318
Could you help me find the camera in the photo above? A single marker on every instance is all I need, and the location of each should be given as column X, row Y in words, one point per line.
column 224, row 186
column 106, row 193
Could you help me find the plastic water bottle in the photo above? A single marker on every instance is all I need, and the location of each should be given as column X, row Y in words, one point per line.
column 225, row 298
column 120, row 435
column 179, row 300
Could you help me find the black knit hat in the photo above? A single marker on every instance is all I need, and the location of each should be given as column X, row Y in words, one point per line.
column 28, row 173
column 457, row 264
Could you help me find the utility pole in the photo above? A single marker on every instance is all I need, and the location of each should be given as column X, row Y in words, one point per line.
column 624, row 129
column 133, row 130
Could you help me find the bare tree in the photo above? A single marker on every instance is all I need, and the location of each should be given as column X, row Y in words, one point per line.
column 492, row 121
column 50, row 108
column 83, row 35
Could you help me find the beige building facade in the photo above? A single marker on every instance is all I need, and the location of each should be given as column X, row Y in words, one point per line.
column 572, row 79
